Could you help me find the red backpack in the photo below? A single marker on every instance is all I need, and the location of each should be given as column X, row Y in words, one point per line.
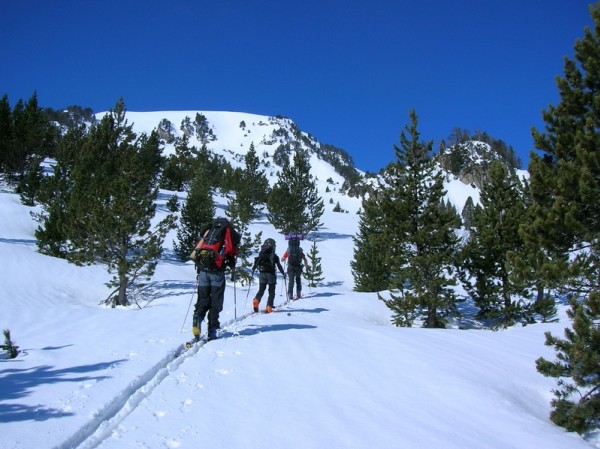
column 219, row 245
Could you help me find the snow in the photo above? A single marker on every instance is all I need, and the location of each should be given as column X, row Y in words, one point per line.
column 328, row 370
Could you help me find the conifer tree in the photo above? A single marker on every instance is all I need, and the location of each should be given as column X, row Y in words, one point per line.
column 6, row 133
column 419, row 234
column 529, row 263
column 251, row 187
column 112, row 203
column 467, row 213
column 197, row 211
column 565, row 185
column 370, row 267
column 53, row 234
column 250, row 192
column 247, row 246
column 486, row 269
column 9, row 346
column 577, row 402
column 32, row 138
column 315, row 274
column 179, row 167
column 294, row 204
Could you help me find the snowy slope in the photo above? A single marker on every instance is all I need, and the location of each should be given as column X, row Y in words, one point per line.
column 328, row 370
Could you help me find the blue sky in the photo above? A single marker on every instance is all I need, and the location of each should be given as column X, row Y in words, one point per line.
column 346, row 72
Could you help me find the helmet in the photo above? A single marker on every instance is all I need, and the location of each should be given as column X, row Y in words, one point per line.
column 270, row 242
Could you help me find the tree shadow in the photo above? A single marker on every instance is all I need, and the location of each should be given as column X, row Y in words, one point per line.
column 325, row 295
column 18, row 383
column 28, row 242
column 255, row 329
column 171, row 257
column 144, row 296
column 316, row 310
column 321, row 235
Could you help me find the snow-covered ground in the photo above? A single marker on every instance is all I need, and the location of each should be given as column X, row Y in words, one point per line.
column 326, row 371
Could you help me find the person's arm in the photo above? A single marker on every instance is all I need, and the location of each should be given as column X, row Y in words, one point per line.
column 305, row 260
column 279, row 267
column 197, row 246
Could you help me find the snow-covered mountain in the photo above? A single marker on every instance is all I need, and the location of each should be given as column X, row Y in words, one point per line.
column 328, row 370
column 232, row 133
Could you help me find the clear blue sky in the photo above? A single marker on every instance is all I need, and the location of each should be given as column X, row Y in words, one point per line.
column 346, row 72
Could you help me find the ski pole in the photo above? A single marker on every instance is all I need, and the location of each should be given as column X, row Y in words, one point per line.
column 234, row 296
column 188, row 309
column 248, row 292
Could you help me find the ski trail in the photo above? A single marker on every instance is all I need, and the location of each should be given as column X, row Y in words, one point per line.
column 92, row 434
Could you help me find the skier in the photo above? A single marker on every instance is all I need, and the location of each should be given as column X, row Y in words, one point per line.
column 266, row 262
column 295, row 256
column 215, row 251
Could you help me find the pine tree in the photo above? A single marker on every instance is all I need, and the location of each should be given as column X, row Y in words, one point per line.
column 179, row 167
column 250, row 191
column 6, row 135
column 112, row 203
column 467, row 213
column 486, row 269
column 370, row 267
column 565, row 185
column 197, row 211
column 529, row 263
column 32, row 138
column 577, row 403
column 52, row 235
column 31, row 180
column 565, row 181
column 294, row 204
column 251, row 187
column 9, row 345
column 315, row 274
column 419, row 233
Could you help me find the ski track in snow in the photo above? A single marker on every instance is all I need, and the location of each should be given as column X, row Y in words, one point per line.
column 92, row 434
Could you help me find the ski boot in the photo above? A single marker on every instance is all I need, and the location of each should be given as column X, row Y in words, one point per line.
column 196, row 327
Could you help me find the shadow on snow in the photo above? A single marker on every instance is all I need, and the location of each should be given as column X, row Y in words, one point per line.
column 17, row 383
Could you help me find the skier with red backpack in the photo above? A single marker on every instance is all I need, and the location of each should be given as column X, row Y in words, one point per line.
column 216, row 251
column 294, row 256
column 266, row 262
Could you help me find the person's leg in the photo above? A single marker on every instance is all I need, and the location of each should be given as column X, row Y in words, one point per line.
column 271, row 300
column 290, row 276
column 262, row 286
column 202, row 303
column 261, row 290
column 217, row 296
column 298, row 282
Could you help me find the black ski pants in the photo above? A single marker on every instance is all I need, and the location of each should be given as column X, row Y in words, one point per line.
column 267, row 279
column 294, row 277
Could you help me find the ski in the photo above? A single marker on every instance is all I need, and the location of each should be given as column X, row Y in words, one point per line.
column 188, row 344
